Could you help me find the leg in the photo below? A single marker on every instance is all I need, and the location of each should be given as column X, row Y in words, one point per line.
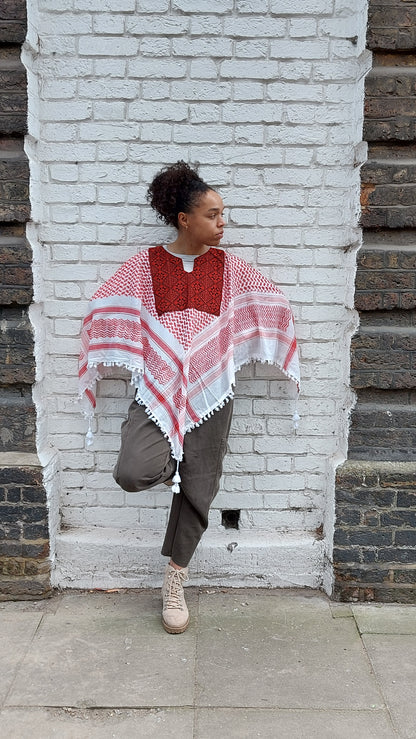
column 145, row 457
column 200, row 471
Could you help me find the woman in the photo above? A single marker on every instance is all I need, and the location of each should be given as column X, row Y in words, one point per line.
column 183, row 318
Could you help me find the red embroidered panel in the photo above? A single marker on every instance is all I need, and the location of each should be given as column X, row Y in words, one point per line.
column 176, row 290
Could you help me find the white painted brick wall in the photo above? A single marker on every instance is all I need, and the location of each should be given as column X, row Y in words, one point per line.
column 267, row 96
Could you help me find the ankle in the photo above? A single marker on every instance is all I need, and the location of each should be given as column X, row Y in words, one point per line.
column 175, row 566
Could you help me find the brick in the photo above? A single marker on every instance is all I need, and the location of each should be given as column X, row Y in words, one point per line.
column 13, row 494
column 406, row 499
column 252, row 6
column 157, row 26
column 211, row 48
column 18, row 416
column 252, row 49
column 255, row 27
column 194, row 6
column 103, row 88
column 392, row 30
column 102, row 5
column 16, row 347
column 162, row 111
column 396, row 554
column 376, row 172
column 35, row 551
column 153, row 6
column 35, row 530
column 12, row 31
column 107, row 23
column 13, row 10
column 363, row 574
column 344, row 554
column 108, row 46
column 404, row 576
column 203, row 69
column 252, row 112
column 362, row 537
column 295, row 92
column 296, row 49
column 399, row 478
column 160, row 68
column 20, row 476
column 9, row 531
column 308, row 7
column 302, row 27
column 206, row 134
column 400, row 519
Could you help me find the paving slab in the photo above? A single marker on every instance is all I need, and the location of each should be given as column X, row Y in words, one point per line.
column 104, row 651
column 385, row 618
column 143, row 605
column 393, row 658
column 67, row 723
column 46, row 605
column 240, row 723
column 16, row 633
column 341, row 610
column 278, row 649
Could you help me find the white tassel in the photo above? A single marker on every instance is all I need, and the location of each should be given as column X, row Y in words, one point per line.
column 89, row 436
column 176, row 479
column 296, row 419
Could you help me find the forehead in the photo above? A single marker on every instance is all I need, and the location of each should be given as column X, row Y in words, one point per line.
column 210, row 200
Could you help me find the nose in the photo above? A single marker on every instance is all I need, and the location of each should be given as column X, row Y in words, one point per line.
column 221, row 221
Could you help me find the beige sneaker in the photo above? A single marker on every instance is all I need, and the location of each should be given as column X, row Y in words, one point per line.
column 175, row 615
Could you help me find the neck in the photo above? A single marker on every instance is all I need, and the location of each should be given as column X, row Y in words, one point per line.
column 184, row 245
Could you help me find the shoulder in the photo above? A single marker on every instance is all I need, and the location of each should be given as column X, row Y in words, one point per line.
column 136, row 262
column 128, row 274
column 246, row 277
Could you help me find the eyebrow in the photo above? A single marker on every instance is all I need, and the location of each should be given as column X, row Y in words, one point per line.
column 214, row 210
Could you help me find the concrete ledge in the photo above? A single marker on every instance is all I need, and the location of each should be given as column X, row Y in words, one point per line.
column 117, row 558
column 370, row 466
column 19, row 459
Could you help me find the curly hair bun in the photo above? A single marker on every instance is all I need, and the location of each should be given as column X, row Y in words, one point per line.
column 175, row 189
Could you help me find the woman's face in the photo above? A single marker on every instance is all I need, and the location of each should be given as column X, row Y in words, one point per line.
column 204, row 224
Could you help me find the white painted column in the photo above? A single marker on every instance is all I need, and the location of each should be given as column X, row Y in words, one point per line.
column 267, row 96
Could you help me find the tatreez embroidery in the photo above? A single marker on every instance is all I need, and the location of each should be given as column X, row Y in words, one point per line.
column 175, row 289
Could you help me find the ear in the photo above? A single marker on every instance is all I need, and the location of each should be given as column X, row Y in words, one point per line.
column 183, row 220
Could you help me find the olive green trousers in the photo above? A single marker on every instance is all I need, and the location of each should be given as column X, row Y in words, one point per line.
column 145, row 460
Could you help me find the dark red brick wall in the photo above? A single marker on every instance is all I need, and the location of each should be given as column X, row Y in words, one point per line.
column 375, row 543
column 375, row 535
column 24, row 537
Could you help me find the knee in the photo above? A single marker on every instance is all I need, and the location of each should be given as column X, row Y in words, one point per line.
column 125, row 481
column 132, row 481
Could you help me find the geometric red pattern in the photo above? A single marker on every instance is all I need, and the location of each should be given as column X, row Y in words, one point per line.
column 177, row 290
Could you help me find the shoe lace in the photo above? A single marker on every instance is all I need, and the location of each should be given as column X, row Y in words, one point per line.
column 174, row 590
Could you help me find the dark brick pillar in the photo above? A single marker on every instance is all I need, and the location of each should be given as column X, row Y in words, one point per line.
column 24, row 538
column 375, row 536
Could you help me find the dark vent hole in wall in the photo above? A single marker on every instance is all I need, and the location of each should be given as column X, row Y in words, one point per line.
column 230, row 519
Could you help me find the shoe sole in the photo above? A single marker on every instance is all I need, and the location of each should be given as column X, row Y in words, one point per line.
column 175, row 629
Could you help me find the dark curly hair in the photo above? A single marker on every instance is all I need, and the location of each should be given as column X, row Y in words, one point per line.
column 175, row 189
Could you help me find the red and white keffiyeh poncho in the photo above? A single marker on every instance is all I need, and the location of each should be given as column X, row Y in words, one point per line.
column 183, row 335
